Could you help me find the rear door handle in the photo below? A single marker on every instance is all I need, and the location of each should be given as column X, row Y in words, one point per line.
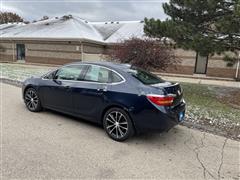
column 102, row 89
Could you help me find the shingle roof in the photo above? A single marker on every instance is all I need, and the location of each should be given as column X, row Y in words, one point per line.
column 117, row 31
column 55, row 28
column 74, row 28
column 4, row 28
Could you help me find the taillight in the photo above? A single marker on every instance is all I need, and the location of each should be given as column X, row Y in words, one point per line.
column 161, row 100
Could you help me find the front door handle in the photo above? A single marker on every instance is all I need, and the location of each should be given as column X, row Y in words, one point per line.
column 66, row 87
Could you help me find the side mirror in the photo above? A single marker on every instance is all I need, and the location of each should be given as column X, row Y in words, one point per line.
column 57, row 81
column 54, row 75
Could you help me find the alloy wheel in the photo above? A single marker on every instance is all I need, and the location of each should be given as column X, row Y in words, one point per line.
column 31, row 99
column 116, row 124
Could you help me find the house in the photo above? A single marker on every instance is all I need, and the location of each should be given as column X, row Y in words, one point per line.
column 70, row 38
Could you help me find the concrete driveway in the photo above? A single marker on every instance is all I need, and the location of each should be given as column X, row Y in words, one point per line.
column 49, row 145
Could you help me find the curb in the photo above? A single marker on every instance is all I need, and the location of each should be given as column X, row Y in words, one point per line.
column 11, row 82
column 32, row 64
column 195, row 77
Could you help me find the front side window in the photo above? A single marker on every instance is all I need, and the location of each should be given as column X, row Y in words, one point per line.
column 70, row 73
column 145, row 77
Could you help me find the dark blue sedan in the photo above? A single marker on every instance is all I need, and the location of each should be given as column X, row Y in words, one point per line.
column 123, row 98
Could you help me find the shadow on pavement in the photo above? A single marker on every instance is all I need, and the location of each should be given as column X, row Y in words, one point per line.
column 146, row 138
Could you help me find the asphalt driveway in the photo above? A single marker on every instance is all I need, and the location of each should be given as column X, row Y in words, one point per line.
column 49, row 145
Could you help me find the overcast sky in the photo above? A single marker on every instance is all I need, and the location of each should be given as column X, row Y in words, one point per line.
column 92, row 10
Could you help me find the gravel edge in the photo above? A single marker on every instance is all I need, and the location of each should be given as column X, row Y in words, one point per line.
column 210, row 129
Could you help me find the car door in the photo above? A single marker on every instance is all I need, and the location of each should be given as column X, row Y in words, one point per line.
column 89, row 96
column 57, row 92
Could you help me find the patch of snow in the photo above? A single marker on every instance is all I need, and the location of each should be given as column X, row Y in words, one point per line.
column 4, row 28
column 106, row 30
column 126, row 31
column 56, row 28
column 74, row 27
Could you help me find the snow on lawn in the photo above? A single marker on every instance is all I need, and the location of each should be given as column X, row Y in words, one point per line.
column 21, row 72
column 204, row 103
column 206, row 107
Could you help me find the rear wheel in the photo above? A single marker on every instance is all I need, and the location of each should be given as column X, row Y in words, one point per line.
column 118, row 124
column 32, row 100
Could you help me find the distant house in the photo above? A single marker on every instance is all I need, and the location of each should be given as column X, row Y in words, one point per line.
column 70, row 38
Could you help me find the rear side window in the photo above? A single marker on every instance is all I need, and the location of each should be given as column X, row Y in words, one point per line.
column 145, row 77
column 101, row 75
column 69, row 73
column 97, row 74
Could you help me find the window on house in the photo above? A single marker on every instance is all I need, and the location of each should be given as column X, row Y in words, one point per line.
column 20, row 51
column 201, row 64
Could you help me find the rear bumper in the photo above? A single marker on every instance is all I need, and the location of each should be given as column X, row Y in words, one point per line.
column 159, row 121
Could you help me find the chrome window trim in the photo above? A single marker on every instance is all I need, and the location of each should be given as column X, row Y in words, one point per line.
column 86, row 64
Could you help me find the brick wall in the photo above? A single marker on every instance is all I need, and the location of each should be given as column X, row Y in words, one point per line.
column 221, row 72
column 216, row 66
column 61, row 52
column 188, row 70
column 6, row 51
column 6, row 58
column 47, row 60
column 52, row 52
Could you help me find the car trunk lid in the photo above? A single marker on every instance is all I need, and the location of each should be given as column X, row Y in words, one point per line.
column 171, row 89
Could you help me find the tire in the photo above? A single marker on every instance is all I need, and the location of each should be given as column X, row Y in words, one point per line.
column 32, row 100
column 118, row 125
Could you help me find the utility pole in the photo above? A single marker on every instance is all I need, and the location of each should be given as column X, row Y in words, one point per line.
column 238, row 64
column 81, row 49
column 82, row 55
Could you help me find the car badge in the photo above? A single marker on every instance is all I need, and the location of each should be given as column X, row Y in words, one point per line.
column 178, row 92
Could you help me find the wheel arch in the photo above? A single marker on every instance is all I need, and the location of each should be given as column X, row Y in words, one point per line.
column 27, row 87
column 33, row 87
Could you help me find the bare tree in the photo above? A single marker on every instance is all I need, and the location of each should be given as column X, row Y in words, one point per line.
column 6, row 17
column 145, row 53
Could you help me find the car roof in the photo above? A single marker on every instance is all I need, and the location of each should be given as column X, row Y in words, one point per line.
column 112, row 65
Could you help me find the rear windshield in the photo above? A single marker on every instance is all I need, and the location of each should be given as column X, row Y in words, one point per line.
column 145, row 77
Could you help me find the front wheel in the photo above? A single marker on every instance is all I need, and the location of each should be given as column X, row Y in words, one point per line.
column 32, row 100
column 118, row 124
